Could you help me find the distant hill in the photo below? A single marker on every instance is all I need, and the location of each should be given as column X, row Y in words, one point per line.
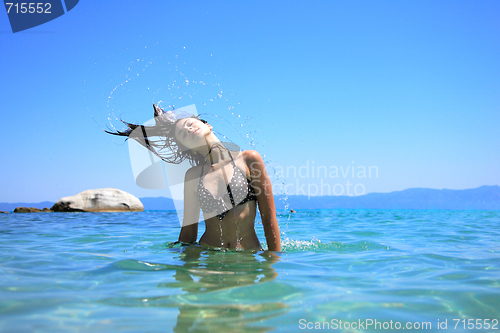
column 481, row 198
column 9, row 207
column 158, row 203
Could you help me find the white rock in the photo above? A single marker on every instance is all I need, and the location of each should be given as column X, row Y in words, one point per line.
column 99, row 200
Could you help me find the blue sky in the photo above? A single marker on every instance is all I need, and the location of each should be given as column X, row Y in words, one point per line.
column 411, row 88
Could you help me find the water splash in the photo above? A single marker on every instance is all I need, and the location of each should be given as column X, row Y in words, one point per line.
column 316, row 245
column 168, row 81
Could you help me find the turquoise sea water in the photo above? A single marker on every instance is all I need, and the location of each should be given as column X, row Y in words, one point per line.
column 114, row 272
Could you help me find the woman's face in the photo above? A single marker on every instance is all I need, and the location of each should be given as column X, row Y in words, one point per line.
column 191, row 132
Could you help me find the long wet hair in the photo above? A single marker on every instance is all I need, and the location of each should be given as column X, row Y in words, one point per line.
column 160, row 139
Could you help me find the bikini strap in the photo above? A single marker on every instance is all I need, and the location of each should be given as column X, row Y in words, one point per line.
column 232, row 160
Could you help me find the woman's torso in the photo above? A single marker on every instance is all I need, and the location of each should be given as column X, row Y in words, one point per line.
column 228, row 202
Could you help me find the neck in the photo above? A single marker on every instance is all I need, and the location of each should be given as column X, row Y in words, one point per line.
column 217, row 154
column 213, row 150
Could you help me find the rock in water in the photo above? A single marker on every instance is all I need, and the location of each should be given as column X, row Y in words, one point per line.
column 100, row 200
column 30, row 210
column 22, row 210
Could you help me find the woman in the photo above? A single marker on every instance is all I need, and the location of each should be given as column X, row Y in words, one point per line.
column 226, row 185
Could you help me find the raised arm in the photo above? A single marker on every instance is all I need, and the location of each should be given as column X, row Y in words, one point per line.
column 264, row 192
column 189, row 230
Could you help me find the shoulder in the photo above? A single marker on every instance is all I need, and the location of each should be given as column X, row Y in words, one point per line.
column 254, row 163
column 251, row 156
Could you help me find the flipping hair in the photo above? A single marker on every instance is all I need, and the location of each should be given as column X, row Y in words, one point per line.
column 160, row 138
